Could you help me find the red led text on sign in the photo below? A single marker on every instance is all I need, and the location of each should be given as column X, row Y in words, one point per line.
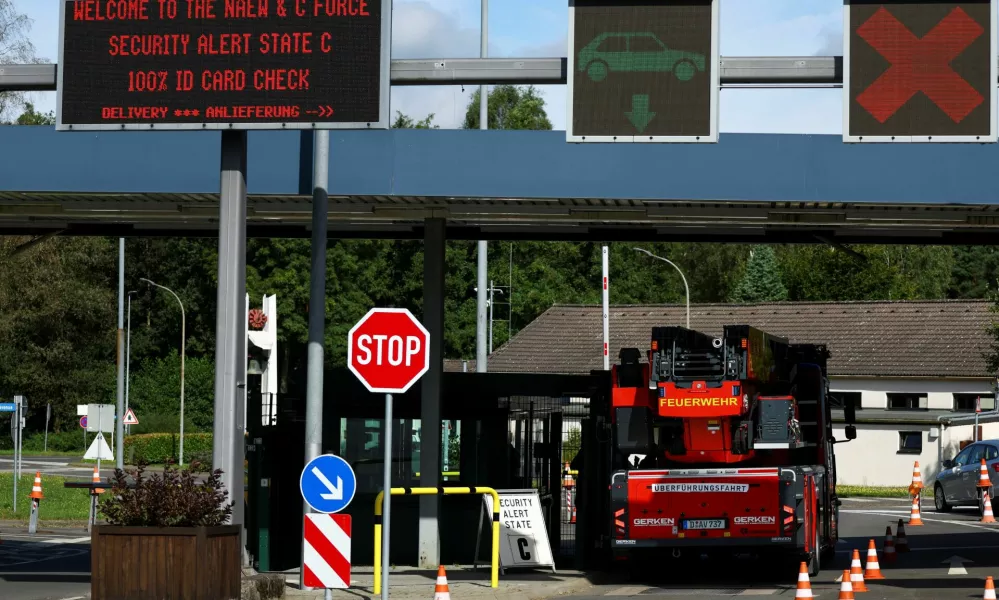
column 920, row 65
column 284, row 28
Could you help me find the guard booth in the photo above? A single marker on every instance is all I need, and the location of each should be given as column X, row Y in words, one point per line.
column 502, row 430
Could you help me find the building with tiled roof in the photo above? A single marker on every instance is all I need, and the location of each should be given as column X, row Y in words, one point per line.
column 908, row 366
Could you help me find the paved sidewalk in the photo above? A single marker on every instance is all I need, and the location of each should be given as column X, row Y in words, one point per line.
column 463, row 582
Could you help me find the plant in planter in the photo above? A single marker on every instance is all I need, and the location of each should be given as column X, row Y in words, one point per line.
column 166, row 537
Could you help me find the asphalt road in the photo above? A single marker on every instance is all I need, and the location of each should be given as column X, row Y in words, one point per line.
column 52, row 565
column 54, row 465
column 930, row 570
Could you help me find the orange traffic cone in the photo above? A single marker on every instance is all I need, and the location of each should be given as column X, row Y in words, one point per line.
column 36, row 488
column 804, row 585
column 441, row 591
column 983, row 476
column 873, row 570
column 901, row 542
column 889, row 548
column 846, row 588
column 914, row 519
column 917, row 480
column 857, row 573
column 990, row 589
column 97, row 479
column 987, row 513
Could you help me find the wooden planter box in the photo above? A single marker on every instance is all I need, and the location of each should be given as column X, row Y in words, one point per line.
column 168, row 563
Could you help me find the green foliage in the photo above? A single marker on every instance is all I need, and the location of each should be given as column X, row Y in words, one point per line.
column 163, row 423
column 404, row 122
column 60, row 503
column 162, row 448
column 975, row 272
column 155, row 390
column 571, row 446
column 65, row 441
column 761, row 281
column 32, row 117
column 175, row 499
column 871, row 491
column 510, row 107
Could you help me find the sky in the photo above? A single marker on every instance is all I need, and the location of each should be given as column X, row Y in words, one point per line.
column 539, row 28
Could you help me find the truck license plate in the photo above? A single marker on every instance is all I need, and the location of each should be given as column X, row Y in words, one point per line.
column 704, row 523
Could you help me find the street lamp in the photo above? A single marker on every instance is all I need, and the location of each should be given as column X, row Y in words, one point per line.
column 183, row 345
column 128, row 353
column 685, row 286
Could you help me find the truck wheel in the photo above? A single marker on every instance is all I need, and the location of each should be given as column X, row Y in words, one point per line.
column 814, row 562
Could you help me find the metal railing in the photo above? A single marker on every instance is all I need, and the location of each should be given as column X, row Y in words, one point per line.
column 433, row 491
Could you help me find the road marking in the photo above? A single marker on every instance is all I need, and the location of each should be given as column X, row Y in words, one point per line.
column 887, row 513
column 65, row 540
column 631, row 590
column 74, row 598
column 758, row 592
column 36, row 462
column 957, row 565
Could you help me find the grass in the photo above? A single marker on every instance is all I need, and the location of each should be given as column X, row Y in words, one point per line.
column 871, row 491
column 58, row 504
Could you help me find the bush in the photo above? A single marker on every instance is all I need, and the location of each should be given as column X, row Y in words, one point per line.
column 162, row 448
column 65, row 441
column 176, row 499
column 163, row 423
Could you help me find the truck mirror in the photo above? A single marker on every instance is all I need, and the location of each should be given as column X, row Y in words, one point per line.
column 851, row 432
column 850, row 413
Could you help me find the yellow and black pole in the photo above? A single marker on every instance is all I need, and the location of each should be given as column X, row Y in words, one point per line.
column 431, row 491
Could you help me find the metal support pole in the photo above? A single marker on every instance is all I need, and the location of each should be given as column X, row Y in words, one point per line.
column 230, row 343
column 481, row 352
column 387, row 497
column 128, row 351
column 606, row 293
column 491, row 297
column 317, row 310
column 428, row 552
column 119, row 427
column 15, row 428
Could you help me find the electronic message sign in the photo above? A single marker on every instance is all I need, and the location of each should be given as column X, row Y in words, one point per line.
column 643, row 71
column 224, row 64
column 919, row 71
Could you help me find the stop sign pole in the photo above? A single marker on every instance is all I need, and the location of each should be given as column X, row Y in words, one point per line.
column 388, row 350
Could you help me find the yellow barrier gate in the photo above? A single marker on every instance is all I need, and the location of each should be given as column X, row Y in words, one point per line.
column 433, row 491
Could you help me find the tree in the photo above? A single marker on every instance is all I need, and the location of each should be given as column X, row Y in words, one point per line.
column 31, row 117
column 15, row 48
column 510, row 107
column 762, row 281
column 976, row 269
column 155, row 391
column 404, row 122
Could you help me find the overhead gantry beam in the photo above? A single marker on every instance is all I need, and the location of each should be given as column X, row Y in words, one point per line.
column 736, row 71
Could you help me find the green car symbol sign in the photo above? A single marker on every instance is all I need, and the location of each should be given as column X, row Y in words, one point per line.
column 640, row 52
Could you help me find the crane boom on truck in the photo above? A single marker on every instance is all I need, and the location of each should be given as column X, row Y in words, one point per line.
column 737, row 444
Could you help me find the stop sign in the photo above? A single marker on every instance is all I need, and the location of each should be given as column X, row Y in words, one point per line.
column 388, row 350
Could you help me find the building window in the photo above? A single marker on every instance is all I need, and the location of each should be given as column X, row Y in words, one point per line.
column 910, row 442
column 967, row 402
column 844, row 399
column 907, row 402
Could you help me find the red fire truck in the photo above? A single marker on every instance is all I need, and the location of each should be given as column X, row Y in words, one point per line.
column 724, row 445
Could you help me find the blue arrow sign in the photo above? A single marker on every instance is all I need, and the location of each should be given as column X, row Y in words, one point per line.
column 327, row 483
column 7, row 407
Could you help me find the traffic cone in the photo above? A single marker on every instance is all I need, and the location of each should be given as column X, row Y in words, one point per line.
column 36, row 488
column 846, row 587
column 857, row 573
column 987, row 513
column 983, row 476
column 804, row 585
column 901, row 542
column 917, row 480
column 990, row 589
column 914, row 519
column 889, row 548
column 97, row 479
column 441, row 591
column 873, row 570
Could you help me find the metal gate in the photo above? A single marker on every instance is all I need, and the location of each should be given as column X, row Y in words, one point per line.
column 545, row 438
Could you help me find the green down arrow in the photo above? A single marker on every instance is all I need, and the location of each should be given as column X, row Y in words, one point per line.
column 639, row 115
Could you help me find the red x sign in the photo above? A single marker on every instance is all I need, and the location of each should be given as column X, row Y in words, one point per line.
column 920, row 65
